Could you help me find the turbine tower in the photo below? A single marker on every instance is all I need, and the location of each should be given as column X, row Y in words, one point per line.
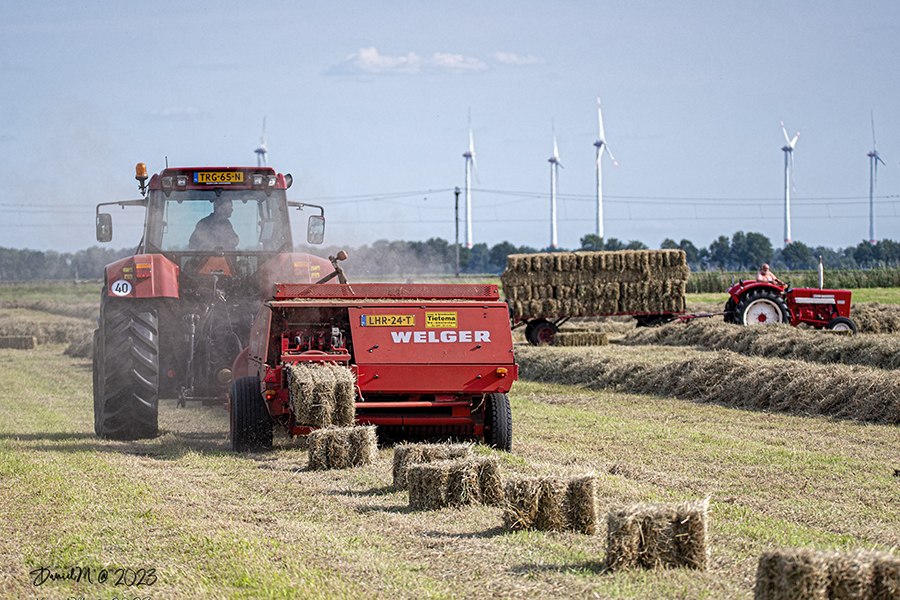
column 262, row 154
column 788, row 181
column 554, row 173
column 601, row 147
column 470, row 166
column 874, row 158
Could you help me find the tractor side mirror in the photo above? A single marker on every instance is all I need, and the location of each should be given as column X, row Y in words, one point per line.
column 104, row 227
column 315, row 230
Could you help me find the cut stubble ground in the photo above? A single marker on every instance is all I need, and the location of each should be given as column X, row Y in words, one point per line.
column 218, row 525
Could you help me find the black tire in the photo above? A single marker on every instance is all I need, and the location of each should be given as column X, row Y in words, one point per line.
column 251, row 425
column 729, row 311
column 498, row 422
column 126, row 405
column 842, row 324
column 542, row 333
column 528, row 329
column 96, row 363
column 761, row 307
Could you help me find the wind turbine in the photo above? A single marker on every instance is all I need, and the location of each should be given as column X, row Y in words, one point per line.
column 554, row 173
column 874, row 158
column 470, row 166
column 262, row 154
column 601, row 146
column 788, row 180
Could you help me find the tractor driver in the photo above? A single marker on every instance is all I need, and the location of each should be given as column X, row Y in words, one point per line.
column 215, row 230
column 767, row 276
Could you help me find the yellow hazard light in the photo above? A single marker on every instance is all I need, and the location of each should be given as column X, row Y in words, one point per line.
column 140, row 172
column 501, row 372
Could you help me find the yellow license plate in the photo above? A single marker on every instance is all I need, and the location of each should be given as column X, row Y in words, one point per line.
column 440, row 319
column 387, row 320
column 219, row 177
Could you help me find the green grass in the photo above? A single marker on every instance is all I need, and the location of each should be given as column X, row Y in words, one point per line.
column 69, row 291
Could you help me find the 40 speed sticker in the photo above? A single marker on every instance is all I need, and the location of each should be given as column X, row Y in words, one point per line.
column 120, row 288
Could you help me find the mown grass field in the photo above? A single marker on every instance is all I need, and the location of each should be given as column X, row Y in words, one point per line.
column 212, row 524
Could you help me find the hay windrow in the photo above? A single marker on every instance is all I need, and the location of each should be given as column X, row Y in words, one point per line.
column 800, row 573
column 874, row 317
column 730, row 379
column 590, row 283
column 775, row 341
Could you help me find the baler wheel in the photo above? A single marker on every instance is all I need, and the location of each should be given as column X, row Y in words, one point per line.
column 761, row 307
column 841, row 324
column 498, row 416
column 251, row 425
column 126, row 396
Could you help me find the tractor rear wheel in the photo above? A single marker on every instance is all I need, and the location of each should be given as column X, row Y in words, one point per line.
column 729, row 311
column 841, row 324
column 126, row 393
column 761, row 307
column 251, row 425
column 498, row 417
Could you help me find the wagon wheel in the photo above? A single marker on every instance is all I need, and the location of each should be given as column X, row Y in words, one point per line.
column 761, row 307
column 542, row 333
column 841, row 324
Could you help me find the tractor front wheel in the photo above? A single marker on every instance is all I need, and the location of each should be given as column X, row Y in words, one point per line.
column 841, row 324
column 126, row 372
column 761, row 307
column 498, row 418
column 251, row 425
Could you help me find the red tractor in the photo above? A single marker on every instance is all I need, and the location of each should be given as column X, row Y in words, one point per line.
column 174, row 316
column 762, row 303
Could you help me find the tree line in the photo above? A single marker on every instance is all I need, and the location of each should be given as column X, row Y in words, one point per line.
column 436, row 256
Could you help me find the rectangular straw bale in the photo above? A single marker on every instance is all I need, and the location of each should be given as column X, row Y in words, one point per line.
column 522, row 499
column 428, row 484
column 657, row 535
column 330, row 448
column 886, row 576
column 463, row 485
column 581, row 338
column 690, row 531
column 623, row 538
column 792, row 574
column 406, row 455
column 363, row 445
column 551, row 513
column 490, row 483
column 851, row 575
column 18, row 342
column 344, row 411
column 581, row 504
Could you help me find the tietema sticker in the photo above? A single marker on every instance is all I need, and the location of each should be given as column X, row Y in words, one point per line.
column 440, row 319
column 120, row 288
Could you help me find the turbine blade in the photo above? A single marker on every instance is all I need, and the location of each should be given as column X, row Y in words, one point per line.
column 872, row 115
column 605, row 147
column 602, row 137
column 786, row 138
column 794, row 141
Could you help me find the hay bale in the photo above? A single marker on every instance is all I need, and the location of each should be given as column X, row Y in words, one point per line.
column 18, row 342
column 581, row 338
column 552, row 514
column 463, row 486
column 792, row 574
column 657, row 535
column 851, row 576
column 522, row 501
column 581, row 500
column 406, row 455
column 886, row 577
column 322, row 394
column 428, row 485
column 341, row 447
column 490, row 483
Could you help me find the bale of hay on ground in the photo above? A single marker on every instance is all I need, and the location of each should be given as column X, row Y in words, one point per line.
column 341, row 447
column 490, row 482
column 551, row 504
column 406, row 455
column 657, row 535
column 581, row 338
column 522, row 503
column 427, row 484
column 581, row 504
column 463, row 485
column 18, row 342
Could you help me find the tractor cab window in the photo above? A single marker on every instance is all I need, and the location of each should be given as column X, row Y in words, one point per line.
column 199, row 220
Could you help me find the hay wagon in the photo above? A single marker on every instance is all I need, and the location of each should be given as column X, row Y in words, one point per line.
column 545, row 290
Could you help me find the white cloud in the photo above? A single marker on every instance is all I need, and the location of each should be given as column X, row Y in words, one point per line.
column 370, row 61
column 176, row 113
column 509, row 58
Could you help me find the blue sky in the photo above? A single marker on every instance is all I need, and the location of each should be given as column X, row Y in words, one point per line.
column 366, row 105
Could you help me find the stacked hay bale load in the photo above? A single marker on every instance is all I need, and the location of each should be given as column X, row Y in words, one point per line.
column 322, row 394
column 576, row 284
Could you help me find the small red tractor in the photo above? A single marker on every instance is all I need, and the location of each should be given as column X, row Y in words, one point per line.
column 215, row 302
column 762, row 303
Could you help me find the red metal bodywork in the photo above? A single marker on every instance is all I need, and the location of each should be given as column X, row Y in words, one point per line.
column 446, row 348
column 807, row 305
column 142, row 276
